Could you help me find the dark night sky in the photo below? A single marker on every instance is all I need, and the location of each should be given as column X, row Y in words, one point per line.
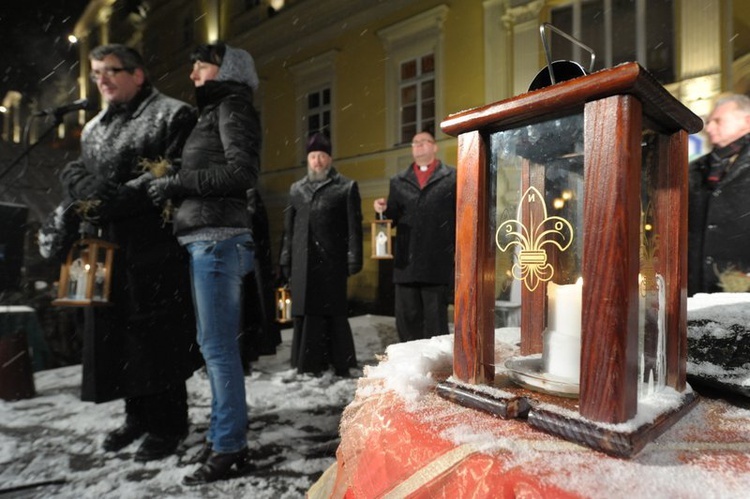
column 36, row 58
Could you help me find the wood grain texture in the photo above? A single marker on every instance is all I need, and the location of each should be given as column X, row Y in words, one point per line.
column 474, row 336
column 611, row 242
column 570, row 96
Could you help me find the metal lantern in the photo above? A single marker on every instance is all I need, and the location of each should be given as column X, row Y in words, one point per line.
column 86, row 275
column 579, row 191
column 283, row 305
column 381, row 239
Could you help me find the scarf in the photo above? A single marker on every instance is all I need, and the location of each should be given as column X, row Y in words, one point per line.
column 721, row 159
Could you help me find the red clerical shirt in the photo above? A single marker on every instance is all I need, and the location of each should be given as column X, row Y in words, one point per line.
column 423, row 174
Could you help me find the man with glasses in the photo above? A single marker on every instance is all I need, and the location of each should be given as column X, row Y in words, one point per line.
column 142, row 347
column 422, row 204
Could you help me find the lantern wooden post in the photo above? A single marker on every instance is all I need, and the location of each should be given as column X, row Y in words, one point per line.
column 619, row 107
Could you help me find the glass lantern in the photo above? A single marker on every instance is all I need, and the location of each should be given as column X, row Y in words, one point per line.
column 577, row 191
column 381, row 239
column 283, row 305
column 86, row 275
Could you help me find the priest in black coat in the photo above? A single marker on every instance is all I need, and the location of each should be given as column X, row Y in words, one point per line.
column 321, row 248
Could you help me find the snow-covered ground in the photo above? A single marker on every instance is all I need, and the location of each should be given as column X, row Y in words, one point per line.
column 50, row 445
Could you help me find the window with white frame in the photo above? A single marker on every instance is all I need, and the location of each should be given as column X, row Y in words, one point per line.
column 413, row 73
column 315, row 93
column 417, row 96
column 318, row 117
column 619, row 31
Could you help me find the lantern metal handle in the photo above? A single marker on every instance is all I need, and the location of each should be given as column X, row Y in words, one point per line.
column 548, row 52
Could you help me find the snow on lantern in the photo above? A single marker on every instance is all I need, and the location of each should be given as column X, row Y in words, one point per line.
column 579, row 191
column 86, row 274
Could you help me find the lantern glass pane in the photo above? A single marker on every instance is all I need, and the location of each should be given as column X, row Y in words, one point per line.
column 538, row 204
column 651, row 278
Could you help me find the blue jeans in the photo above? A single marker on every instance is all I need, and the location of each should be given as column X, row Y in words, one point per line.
column 217, row 269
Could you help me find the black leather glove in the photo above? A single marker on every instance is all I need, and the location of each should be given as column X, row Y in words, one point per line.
column 106, row 190
column 140, row 181
column 162, row 189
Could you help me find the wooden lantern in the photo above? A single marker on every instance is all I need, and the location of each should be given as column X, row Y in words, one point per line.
column 86, row 275
column 283, row 305
column 381, row 240
column 585, row 179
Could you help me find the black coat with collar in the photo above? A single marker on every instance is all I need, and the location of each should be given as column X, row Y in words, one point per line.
column 145, row 342
column 322, row 243
column 425, row 219
column 718, row 223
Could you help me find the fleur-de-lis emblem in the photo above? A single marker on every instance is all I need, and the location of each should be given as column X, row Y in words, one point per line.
column 531, row 265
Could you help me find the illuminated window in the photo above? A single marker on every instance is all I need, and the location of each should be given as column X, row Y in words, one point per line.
column 619, row 31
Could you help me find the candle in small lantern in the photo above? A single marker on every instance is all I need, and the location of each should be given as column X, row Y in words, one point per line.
column 562, row 339
column 381, row 248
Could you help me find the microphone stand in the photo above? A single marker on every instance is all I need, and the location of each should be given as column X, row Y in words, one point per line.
column 58, row 120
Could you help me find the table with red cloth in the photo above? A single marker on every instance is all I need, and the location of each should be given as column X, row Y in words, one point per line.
column 398, row 444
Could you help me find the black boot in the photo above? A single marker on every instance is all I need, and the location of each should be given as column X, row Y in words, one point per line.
column 219, row 466
column 202, row 455
column 158, row 446
column 123, row 436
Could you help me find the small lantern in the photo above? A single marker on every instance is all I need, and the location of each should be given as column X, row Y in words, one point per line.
column 283, row 305
column 86, row 275
column 381, row 239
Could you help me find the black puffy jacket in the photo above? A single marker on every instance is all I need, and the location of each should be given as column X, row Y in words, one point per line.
column 220, row 160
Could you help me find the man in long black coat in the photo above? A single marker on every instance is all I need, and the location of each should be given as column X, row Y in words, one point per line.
column 321, row 248
column 422, row 204
column 141, row 348
column 719, row 209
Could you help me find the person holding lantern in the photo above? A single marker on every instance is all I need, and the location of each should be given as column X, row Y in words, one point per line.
column 718, row 224
column 422, row 204
column 142, row 347
column 220, row 164
column 321, row 247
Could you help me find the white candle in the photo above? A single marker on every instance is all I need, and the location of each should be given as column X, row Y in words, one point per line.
column 381, row 246
column 288, row 309
column 564, row 307
column 561, row 355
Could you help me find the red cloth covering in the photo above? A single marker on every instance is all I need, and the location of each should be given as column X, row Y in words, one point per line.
column 435, row 448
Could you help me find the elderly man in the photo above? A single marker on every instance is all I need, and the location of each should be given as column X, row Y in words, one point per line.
column 422, row 204
column 141, row 348
column 322, row 246
column 719, row 211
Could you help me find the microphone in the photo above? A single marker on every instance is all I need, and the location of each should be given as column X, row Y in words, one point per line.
column 78, row 105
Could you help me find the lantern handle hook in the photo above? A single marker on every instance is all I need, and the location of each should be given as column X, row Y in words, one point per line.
column 548, row 52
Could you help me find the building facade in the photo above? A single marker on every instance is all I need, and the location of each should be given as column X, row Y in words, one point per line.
column 372, row 73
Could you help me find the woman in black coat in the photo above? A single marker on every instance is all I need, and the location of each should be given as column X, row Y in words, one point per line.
column 220, row 163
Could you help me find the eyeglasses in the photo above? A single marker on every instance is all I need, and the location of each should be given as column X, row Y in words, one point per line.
column 421, row 142
column 107, row 71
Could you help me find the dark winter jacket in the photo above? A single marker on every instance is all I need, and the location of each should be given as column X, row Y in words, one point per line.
column 220, row 161
column 425, row 219
column 144, row 343
column 322, row 243
column 718, row 223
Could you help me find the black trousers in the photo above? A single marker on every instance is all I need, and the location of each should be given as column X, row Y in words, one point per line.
column 320, row 340
column 163, row 413
column 421, row 311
